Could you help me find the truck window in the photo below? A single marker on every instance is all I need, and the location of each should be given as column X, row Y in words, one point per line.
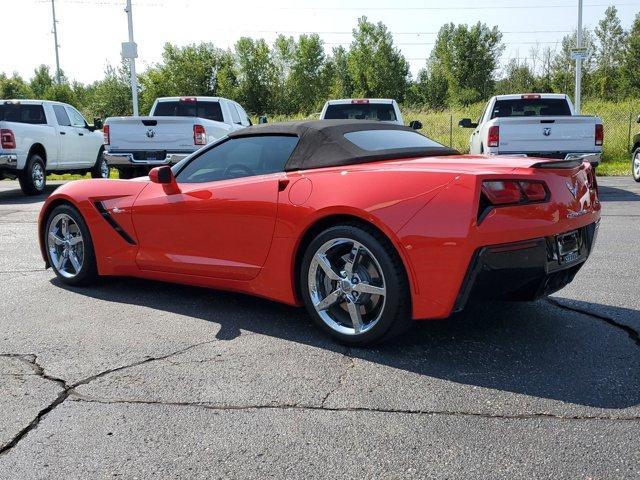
column 22, row 113
column 61, row 116
column 235, row 117
column 178, row 108
column 531, row 107
column 77, row 120
column 361, row 111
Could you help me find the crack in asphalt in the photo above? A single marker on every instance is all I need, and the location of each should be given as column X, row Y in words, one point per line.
column 632, row 333
column 294, row 406
column 350, row 365
column 68, row 389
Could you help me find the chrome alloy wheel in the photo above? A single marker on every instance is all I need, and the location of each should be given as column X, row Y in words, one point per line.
column 636, row 165
column 347, row 286
column 104, row 168
column 65, row 245
column 37, row 176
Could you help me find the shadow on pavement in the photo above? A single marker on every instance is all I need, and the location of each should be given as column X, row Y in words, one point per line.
column 535, row 349
column 614, row 194
column 14, row 196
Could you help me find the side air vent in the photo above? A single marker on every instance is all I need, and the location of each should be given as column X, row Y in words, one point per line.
column 107, row 216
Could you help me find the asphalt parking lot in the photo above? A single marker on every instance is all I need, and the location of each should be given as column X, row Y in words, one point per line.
column 135, row 379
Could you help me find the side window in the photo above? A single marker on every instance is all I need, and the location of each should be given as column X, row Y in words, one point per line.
column 244, row 118
column 61, row 116
column 235, row 118
column 77, row 120
column 240, row 157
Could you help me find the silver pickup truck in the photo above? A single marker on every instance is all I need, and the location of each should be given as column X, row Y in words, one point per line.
column 175, row 128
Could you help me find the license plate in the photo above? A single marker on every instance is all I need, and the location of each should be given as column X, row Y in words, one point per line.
column 568, row 246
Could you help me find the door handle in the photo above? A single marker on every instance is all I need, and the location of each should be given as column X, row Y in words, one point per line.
column 63, row 133
column 80, row 133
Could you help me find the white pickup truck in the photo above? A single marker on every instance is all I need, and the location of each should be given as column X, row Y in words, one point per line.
column 175, row 128
column 381, row 109
column 536, row 125
column 39, row 136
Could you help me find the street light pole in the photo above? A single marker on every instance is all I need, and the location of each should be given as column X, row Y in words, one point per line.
column 55, row 39
column 132, row 61
column 578, row 91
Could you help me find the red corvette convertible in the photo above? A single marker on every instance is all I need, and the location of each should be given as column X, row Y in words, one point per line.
column 369, row 225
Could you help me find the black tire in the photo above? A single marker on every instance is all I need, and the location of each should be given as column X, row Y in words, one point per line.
column 101, row 169
column 395, row 317
column 635, row 173
column 88, row 274
column 33, row 180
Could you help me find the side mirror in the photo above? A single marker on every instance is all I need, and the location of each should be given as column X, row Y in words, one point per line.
column 164, row 176
column 97, row 123
column 467, row 123
column 415, row 124
column 262, row 119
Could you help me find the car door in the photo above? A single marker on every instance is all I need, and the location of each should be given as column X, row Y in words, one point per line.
column 66, row 136
column 221, row 223
column 84, row 144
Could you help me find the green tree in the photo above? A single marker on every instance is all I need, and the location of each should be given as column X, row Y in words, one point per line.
column 14, row 87
column 376, row 67
column 257, row 76
column 608, row 54
column 563, row 66
column 341, row 84
column 467, row 57
column 309, row 78
column 41, row 81
column 631, row 60
column 519, row 77
column 111, row 96
column 430, row 89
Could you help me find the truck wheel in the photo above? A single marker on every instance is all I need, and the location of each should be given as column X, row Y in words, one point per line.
column 635, row 164
column 34, row 178
column 101, row 168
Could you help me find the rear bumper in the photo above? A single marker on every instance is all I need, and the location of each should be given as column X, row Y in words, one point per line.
column 8, row 161
column 136, row 159
column 522, row 271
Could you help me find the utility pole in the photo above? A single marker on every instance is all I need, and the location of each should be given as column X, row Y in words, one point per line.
column 55, row 39
column 131, row 52
column 578, row 91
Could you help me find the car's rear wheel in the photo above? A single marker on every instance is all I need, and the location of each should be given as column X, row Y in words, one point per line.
column 69, row 246
column 354, row 285
column 34, row 178
column 635, row 165
column 101, row 168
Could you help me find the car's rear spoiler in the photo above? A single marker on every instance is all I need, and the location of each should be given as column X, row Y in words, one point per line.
column 571, row 161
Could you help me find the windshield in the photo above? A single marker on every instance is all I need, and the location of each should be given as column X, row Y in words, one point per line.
column 531, row 107
column 361, row 111
column 178, row 108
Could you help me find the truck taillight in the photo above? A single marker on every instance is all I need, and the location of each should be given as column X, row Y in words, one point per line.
column 199, row 135
column 493, row 138
column 599, row 134
column 106, row 139
column 7, row 138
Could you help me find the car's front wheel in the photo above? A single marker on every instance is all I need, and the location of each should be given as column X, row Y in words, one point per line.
column 635, row 165
column 69, row 246
column 354, row 285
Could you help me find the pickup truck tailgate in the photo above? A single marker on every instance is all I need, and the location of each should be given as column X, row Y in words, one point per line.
column 547, row 134
column 151, row 133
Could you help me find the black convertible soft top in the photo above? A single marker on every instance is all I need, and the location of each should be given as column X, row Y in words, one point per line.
column 323, row 144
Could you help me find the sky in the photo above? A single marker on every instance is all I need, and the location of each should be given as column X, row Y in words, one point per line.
column 90, row 32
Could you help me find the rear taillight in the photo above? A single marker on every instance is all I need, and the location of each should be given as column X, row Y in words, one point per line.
column 493, row 138
column 599, row 134
column 106, row 139
column 7, row 138
column 199, row 135
column 512, row 192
